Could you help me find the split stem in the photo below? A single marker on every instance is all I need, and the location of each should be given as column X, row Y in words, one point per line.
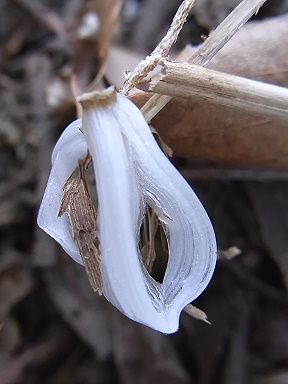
column 211, row 46
column 202, row 84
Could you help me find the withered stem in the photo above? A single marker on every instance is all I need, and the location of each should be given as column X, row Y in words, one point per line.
column 192, row 81
column 196, row 313
column 161, row 51
column 79, row 207
column 211, row 46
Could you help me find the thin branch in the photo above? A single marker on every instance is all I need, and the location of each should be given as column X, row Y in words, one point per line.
column 212, row 45
column 161, row 51
column 192, row 81
column 196, row 313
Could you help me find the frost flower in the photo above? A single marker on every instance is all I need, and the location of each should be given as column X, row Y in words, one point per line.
column 132, row 173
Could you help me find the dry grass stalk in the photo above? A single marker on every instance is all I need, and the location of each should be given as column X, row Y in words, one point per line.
column 148, row 251
column 212, row 45
column 215, row 135
column 229, row 253
column 192, row 81
column 79, row 207
column 196, row 313
column 161, row 51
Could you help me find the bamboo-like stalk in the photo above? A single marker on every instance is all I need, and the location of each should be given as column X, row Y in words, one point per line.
column 193, row 81
column 218, row 38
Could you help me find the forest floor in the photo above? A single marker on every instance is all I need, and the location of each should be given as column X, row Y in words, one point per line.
column 53, row 328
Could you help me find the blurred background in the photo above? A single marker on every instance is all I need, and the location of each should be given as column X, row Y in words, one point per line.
column 53, row 328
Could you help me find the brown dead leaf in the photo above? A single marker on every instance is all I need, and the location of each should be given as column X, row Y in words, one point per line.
column 119, row 61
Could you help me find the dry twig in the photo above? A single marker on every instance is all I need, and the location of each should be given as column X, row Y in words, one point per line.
column 196, row 313
column 79, row 207
column 212, row 45
column 161, row 51
column 222, row 136
column 193, row 81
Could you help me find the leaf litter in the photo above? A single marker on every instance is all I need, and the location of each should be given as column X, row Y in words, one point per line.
column 107, row 340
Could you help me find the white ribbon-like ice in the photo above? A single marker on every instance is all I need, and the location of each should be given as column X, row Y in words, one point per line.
column 131, row 171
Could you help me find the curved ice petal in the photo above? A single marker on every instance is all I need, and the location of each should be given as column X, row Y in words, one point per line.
column 117, row 195
column 192, row 243
column 130, row 167
column 70, row 136
column 70, row 148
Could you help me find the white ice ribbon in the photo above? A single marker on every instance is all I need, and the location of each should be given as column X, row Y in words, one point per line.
column 131, row 172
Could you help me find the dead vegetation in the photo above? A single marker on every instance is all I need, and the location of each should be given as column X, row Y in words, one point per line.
column 53, row 327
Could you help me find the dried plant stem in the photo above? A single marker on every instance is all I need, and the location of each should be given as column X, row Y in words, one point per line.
column 196, row 313
column 193, row 81
column 161, row 51
column 79, row 207
column 218, row 38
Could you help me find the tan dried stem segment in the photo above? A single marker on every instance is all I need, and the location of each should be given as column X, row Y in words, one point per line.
column 161, row 51
column 148, row 249
column 192, row 81
column 79, row 207
column 98, row 99
column 196, row 313
column 212, row 45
